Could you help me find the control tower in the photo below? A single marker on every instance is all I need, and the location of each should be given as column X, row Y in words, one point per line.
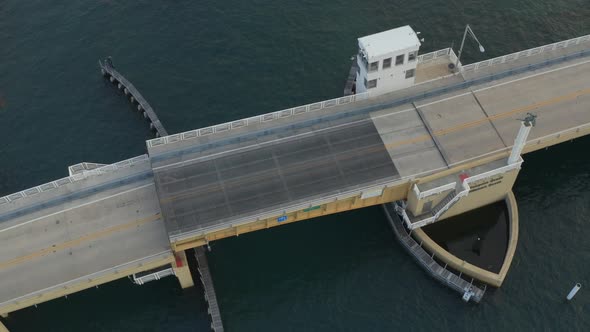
column 387, row 60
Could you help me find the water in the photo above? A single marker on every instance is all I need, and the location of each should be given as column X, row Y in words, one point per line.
column 206, row 62
column 479, row 236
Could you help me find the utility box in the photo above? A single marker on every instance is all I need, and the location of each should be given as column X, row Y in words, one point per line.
column 387, row 61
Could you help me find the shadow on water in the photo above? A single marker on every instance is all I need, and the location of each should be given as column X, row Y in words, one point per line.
column 479, row 237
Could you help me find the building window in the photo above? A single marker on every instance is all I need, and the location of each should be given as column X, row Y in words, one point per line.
column 386, row 63
column 399, row 60
column 371, row 84
column 374, row 66
column 412, row 56
column 410, row 73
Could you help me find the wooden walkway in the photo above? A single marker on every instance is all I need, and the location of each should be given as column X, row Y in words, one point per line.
column 427, row 261
column 115, row 77
column 210, row 297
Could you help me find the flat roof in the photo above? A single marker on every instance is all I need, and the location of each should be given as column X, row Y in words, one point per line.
column 389, row 41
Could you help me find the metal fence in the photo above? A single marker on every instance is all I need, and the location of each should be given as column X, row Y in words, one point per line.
column 433, row 191
column 224, row 127
column 71, row 179
column 466, row 189
column 153, row 276
column 526, row 53
column 93, row 277
column 429, row 57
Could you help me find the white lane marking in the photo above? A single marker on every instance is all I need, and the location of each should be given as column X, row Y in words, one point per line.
column 74, row 207
column 211, row 156
column 505, row 83
column 371, row 118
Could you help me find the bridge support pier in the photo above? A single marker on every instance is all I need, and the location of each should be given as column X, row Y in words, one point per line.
column 2, row 327
column 182, row 271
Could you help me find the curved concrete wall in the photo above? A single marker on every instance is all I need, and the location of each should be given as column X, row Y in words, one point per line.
column 490, row 278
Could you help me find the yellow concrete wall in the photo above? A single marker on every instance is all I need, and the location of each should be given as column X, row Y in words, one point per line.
column 389, row 194
column 417, row 208
column 490, row 278
column 182, row 270
column 484, row 192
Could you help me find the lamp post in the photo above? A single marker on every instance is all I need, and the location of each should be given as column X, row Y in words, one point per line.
column 467, row 29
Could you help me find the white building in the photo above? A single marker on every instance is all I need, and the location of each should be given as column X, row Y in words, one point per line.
column 387, row 61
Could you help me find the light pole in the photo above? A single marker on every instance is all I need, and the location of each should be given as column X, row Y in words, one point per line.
column 467, row 29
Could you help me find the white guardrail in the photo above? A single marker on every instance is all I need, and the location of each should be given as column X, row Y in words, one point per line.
column 526, row 53
column 429, row 57
column 367, row 191
column 71, row 284
column 433, row 191
column 424, row 58
column 191, row 134
column 462, row 193
column 71, row 179
column 179, row 235
column 153, row 276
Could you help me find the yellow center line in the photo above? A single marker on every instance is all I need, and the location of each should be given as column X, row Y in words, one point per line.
column 475, row 123
column 427, row 137
column 75, row 242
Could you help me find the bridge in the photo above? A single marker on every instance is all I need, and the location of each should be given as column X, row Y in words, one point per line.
column 105, row 222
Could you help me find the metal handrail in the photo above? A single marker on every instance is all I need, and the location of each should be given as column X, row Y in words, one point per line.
column 526, row 53
column 93, row 276
column 71, row 179
column 463, row 193
column 263, row 118
column 428, row 57
column 433, row 191
column 153, row 276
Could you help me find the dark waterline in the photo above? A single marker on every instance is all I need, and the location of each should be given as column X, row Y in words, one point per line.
column 207, row 62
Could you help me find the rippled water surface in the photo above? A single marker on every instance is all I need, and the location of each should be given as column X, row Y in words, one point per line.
column 205, row 62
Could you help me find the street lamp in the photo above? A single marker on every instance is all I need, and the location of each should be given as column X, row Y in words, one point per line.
column 468, row 29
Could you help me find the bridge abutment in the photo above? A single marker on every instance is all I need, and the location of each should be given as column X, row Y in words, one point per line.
column 182, row 271
column 3, row 328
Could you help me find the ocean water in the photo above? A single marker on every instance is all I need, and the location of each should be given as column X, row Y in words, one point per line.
column 205, row 62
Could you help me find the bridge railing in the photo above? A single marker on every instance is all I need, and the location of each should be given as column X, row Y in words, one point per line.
column 526, row 53
column 429, row 57
column 71, row 179
column 433, row 191
column 186, row 233
column 122, row 270
column 268, row 117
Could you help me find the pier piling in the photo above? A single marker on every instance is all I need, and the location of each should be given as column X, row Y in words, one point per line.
column 210, row 296
column 108, row 70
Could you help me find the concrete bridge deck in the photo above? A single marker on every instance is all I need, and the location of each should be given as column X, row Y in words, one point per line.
column 271, row 165
column 78, row 232
column 104, row 223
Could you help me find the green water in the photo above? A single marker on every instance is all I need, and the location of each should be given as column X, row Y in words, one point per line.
column 206, row 62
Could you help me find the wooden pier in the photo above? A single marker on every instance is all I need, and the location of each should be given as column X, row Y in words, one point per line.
column 441, row 273
column 108, row 71
column 210, row 297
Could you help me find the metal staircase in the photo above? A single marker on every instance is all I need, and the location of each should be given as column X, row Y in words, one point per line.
column 445, row 204
column 438, row 210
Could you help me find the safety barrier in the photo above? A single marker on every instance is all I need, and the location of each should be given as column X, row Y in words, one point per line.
column 66, row 197
column 258, row 119
column 355, row 112
column 526, row 53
